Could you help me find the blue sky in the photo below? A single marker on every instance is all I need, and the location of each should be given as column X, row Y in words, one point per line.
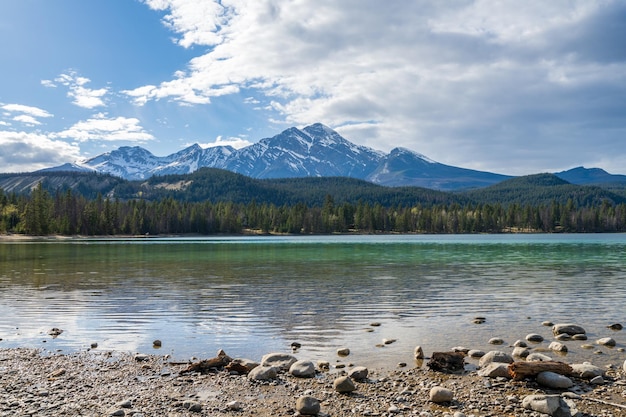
column 503, row 86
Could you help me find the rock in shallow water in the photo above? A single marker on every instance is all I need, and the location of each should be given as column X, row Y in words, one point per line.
column 606, row 341
column 557, row 347
column 567, row 328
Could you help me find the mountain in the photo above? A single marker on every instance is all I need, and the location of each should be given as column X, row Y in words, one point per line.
column 314, row 151
column 582, row 175
column 403, row 166
column 542, row 189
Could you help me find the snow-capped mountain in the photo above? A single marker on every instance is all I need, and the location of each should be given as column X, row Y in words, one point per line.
column 315, row 150
column 403, row 166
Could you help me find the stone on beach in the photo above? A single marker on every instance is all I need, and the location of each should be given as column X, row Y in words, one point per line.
column 344, row 385
column 280, row 360
column 263, row 373
column 587, row 370
column 302, row 369
column 440, row 395
column 554, row 380
column 359, row 373
column 552, row 405
column 495, row 370
column 307, row 405
column 567, row 328
column 495, row 356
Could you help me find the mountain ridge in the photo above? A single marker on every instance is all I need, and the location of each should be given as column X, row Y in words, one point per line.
column 313, row 151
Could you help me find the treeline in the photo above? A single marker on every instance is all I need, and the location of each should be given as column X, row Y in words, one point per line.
column 68, row 213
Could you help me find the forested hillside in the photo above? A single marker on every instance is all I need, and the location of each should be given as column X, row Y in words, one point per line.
column 543, row 189
column 219, row 202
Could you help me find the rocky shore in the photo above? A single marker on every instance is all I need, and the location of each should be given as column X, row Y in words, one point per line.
column 506, row 382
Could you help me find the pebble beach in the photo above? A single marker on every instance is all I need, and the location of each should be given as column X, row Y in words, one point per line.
column 36, row 382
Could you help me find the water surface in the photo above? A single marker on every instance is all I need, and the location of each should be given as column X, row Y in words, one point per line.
column 251, row 296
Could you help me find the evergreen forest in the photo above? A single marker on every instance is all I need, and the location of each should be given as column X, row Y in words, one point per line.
column 212, row 202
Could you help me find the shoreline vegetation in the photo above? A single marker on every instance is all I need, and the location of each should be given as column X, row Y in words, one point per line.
column 105, row 383
column 68, row 213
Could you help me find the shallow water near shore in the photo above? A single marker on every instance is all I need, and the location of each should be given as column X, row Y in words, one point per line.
column 254, row 295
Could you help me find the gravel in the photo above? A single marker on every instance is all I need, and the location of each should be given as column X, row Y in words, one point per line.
column 95, row 383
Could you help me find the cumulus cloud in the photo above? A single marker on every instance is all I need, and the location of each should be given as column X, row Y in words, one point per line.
column 107, row 129
column 81, row 95
column 33, row 151
column 448, row 79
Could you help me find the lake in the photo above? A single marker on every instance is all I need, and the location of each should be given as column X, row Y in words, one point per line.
column 255, row 295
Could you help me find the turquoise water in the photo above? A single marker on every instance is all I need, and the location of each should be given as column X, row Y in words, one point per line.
column 250, row 296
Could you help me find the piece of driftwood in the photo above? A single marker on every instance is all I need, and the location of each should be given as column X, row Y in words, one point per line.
column 521, row 370
column 448, row 362
column 208, row 365
column 596, row 400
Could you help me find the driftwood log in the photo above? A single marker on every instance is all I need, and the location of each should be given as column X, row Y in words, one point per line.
column 208, row 365
column 448, row 362
column 521, row 370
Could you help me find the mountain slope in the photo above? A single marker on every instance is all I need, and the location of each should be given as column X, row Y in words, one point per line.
column 403, row 166
column 582, row 175
column 314, row 151
column 542, row 189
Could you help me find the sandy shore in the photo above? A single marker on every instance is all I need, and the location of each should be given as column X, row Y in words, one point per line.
column 93, row 383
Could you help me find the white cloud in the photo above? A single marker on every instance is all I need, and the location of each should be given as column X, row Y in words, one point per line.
column 23, row 151
column 26, row 119
column 27, row 110
column 236, row 143
column 448, row 79
column 107, row 129
column 82, row 96
column 27, row 115
column 196, row 21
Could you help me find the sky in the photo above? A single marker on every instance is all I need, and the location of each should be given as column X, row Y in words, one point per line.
column 503, row 86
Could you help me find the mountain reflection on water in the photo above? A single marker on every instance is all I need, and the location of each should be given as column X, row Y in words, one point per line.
column 251, row 296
